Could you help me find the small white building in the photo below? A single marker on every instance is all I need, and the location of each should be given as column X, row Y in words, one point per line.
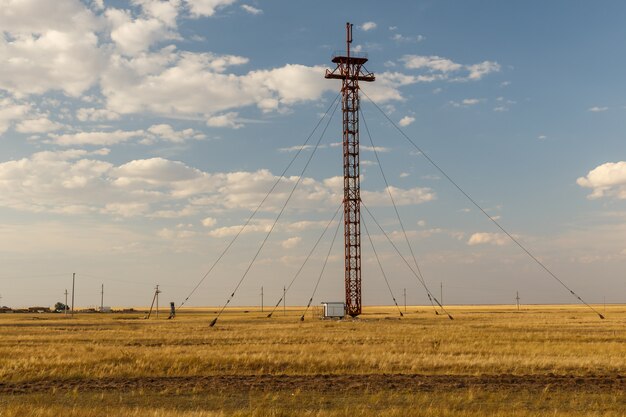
column 334, row 309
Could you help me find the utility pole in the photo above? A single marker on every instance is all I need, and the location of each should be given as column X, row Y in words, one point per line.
column 517, row 299
column 65, row 307
column 157, row 300
column 405, row 300
column 350, row 71
column 102, row 299
column 261, row 299
column 73, row 282
column 284, row 301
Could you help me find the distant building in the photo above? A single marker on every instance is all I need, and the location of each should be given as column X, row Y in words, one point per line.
column 5, row 309
column 334, row 309
column 105, row 309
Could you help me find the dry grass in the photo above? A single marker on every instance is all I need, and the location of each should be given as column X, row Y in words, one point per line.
column 560, row 340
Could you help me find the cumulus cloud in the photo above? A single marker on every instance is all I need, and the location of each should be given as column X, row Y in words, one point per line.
column 466, row 102
column 292, row 242
column 484, row 238
column 606, row 180
column 368, row 26
column 200, row 8
column 251, row 9
column 78, row 181
column 478, row 71
column 95, row 138
column 167, row 132
column 209, row 222
column 11, row 111
column 183, row 84
column 402, row 197
column 407, row 39
column 96, row 115
column 406, row 120
column 259, row 226
column 596, row 109
column 224, row 120
column 38, row 125
column 445, row 68
column 50, row 46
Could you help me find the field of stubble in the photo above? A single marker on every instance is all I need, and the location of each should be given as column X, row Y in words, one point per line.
column 489, row 361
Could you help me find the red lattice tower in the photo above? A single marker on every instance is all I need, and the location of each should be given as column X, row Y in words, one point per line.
column 350, row 71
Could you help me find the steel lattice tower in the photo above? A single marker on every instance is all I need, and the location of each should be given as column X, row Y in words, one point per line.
column 350, row 70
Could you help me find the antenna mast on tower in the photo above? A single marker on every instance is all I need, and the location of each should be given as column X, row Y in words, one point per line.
column 350, row 70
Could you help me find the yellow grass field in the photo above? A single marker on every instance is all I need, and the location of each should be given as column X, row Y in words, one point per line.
column 489, row 361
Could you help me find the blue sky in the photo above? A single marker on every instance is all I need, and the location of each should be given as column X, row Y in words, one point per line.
column 136, row 137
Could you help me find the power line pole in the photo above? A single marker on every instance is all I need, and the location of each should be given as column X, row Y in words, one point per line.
column 517, row 299
column 157, row 300
column 65, row 306
column 73, row 282
column 405, row 300
column 102, row 299
column 350, row 71
column 261, row 299
column 284, row 301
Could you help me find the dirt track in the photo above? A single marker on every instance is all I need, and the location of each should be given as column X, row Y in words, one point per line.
column 328, row 383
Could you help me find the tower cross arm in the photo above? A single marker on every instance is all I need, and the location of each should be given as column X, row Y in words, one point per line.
column 338, row 74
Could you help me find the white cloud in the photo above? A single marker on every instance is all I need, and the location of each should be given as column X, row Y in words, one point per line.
column 606, row 180
column 368, row 26
column 48, row 46
column 484, row 238
column 182, row 84
column 375, row 148
column 471, row 101
column 95, row 138
column 542, row 137
column 261, row 226
column 407, row 39
column 209, row 222
column 37, row 125
column 478, row 71
column 432, row 63
column 167, row 132
column 404, row 175
column 597, row 109
column 251, row 9
column 133, row 35
column 96, row 115
column 225, row 120
column 444, row 67
column 166, row 11
column 292, row 242
column 296, row 148
column 466, row 102
column 406, row 120
column 402, row 197
column 11, row 111
column 200, row 8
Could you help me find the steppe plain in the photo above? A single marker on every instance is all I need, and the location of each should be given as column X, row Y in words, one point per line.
column 488, row 361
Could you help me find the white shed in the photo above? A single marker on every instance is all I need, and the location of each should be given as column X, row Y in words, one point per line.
column 334, row 309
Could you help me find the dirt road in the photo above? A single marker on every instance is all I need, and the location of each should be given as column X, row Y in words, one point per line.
column 328, row 383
